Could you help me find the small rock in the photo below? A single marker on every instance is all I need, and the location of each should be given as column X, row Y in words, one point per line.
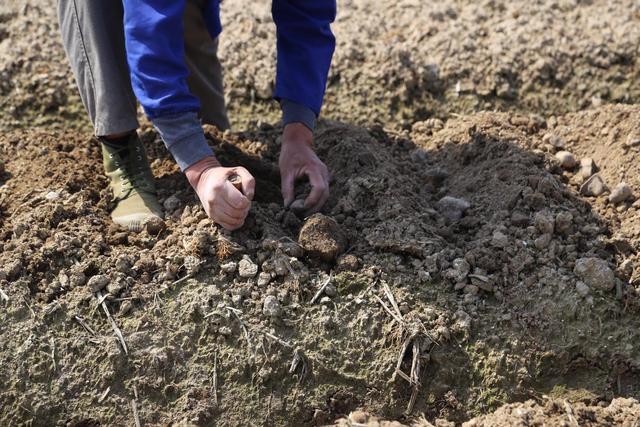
column 582, row 289
column 347, row 263
column 594, row 186
column 595, row 272
column 322, row 237
column 271, row 307
column 543, row 223
column 297, row 206
column 564, row 221
column 125, row 307
column 566, row 159
column 553, row 139
column 171, row 204
column 229, row 267
column 633, row 139
column 471, row 289
column 499, row 239
column 330, row 291
column 325, row 300
column 621, row 193
column 587, row 168
column 98, row 282
column 247, row 268
column 264, row 279
column 459, row 270
column 452, row 208
column 52, row 195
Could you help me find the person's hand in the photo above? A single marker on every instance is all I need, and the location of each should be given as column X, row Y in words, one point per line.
column 297, row 159
column 220, row 199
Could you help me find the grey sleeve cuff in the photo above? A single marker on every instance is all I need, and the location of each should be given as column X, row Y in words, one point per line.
column 292, row 112
column 182, row 134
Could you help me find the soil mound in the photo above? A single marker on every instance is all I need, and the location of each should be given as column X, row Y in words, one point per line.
column 459, row 289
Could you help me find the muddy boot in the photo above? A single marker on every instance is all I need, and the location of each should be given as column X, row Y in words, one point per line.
column 132, row 183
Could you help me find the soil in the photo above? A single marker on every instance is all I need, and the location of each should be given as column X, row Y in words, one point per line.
column 458, row 273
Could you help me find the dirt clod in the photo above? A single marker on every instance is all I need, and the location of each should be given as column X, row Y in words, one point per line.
column 620, row 193
column 595, row 272
column 98, row 282
column 322, row 237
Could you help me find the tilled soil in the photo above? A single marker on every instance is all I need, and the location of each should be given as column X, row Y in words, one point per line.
column 475, row 268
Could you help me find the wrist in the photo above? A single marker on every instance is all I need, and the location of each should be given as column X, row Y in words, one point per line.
column 297, row 133
column 195, row 171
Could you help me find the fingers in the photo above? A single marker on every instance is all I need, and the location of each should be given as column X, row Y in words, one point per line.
column 319, row 179
column 234, row 197
column 286, row 183
column 248, row 182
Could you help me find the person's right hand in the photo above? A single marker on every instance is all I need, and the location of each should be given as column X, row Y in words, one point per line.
column 222, row 202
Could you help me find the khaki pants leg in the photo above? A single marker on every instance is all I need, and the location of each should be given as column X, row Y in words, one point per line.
column 93, row 38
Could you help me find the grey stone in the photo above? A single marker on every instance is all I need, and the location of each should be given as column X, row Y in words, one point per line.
column 171, row 203
column 264, row 278
column 566, row 159
column 499, row 239
column 621, row 193
column 459, row 270
column 594, row 186
column 271, row 307
column 553, row 139
column 587, row 168
column 229, row 267
column 247, row 268
column 542, row 242
column 595, row 272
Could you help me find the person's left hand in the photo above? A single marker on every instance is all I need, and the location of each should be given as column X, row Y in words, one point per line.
column 298, row 159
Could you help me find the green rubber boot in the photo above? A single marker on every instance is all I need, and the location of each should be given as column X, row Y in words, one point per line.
column 132, row 183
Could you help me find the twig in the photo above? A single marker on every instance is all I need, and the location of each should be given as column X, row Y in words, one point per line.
column 322, row 288
column 134, row 407
column 403, row 350
column 4, row 296
column 415, row 376
column 388, row 310
column 33, row 313
column 52, row 342
column 104, row 395
column 114, row 326
column 84, row 325
column 182, row 279
column 392, row 299
column 244, row 329
column 279, row 340
column 569, row 411
column 215, row 378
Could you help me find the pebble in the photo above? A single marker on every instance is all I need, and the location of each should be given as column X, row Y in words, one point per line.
column 52, row 195
column 459, row 270
column 566, row 159
column 330, row 291
column 632, row 140
column 419, row 156
column 229, row 267
column 98, row 282
column 621, row 193
column 594, row 186
column 553, row 139
column 452, row 208
column 587, row 168
column 271, row 307
column 247, row 268
column 264, row 278
column 154, row 226
column 595, row 272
